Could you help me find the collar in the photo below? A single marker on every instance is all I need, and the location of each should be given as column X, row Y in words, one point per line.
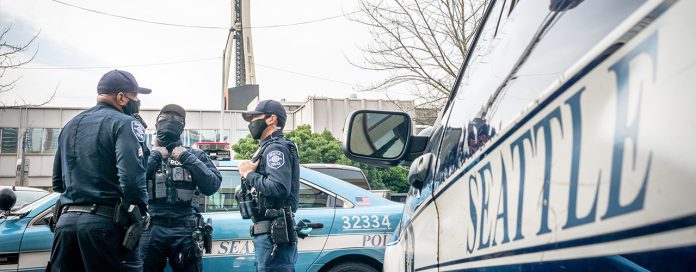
column 275, row 135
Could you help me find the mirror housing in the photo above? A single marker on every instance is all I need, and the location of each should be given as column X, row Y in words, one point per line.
column 419, row 170
column 380, row 138
column 8, row 198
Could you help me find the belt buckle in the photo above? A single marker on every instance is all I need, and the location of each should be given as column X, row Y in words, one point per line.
column 93, row 209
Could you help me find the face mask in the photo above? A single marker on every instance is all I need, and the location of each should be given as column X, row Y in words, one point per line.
column 131, row 107
column 257, row 127
column 169, row 132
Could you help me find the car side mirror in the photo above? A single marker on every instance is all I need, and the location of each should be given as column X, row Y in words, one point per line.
column 377, row 137
column 8, row 198
column 419, row 170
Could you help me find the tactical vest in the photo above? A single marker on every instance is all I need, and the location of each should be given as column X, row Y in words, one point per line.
column 174, row 185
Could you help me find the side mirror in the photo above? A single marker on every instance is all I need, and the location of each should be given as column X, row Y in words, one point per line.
column 419, row 170
column 8, row 198
column 377, row 137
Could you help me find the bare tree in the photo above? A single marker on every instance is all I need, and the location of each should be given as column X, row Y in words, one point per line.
column 420, row 44
column 11, row 58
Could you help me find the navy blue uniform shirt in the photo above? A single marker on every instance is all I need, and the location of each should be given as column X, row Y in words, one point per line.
column 278, row 175
column 204, row 175
column 101, row 158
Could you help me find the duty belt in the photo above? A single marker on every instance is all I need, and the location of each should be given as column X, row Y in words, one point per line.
column 97, row 209
column 172, row 222
column 261, row 227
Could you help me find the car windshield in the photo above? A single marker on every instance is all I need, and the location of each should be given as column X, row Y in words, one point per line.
column 26, row 197
column 31, row 206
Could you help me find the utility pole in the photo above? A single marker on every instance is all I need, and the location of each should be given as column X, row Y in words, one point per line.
column 24, row 155
column 238, row 43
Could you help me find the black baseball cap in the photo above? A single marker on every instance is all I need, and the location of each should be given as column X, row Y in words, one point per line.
column 120, row 81
column 266, row 106
column 174, row 109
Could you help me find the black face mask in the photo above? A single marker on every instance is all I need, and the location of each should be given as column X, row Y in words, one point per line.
column 169, row 132
column 132, row 107
column 257, row 127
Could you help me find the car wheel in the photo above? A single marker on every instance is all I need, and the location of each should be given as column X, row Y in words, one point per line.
column 352, row 267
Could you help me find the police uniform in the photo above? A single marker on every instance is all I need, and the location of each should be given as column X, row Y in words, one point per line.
column 277, row 180
column 100, row 161
column 174, row 209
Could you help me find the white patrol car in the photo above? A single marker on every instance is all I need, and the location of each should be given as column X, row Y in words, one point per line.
column 567, row 144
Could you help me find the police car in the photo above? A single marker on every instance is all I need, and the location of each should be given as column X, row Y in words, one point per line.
column 567, row 143
column 356, row 226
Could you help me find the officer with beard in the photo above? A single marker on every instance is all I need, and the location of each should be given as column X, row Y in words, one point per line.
column 176, row 176
column 275, row 175
column 100, row 162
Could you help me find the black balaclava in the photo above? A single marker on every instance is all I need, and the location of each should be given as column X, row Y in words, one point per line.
column 169, row 129
column 257, row 127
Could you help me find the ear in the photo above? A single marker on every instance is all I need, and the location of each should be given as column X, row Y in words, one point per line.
column 121, row 99
column 273, row 120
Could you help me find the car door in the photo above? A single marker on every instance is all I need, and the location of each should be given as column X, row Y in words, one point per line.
column 316, row 204
column 233, row 246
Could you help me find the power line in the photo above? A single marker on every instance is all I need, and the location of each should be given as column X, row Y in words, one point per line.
column 200, row 26
column 306, row 75
column 113, row 66
column 136, row 19
column 306, row 22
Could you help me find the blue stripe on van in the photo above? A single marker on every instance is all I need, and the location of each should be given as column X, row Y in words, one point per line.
column 670, row 225
column 673, row 259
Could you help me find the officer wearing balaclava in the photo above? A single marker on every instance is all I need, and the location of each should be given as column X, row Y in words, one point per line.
column 176, row 177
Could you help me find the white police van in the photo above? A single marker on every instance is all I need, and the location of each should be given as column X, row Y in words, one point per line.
column 568, row 143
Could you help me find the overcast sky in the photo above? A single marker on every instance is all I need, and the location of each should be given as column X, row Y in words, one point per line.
column 292, row 62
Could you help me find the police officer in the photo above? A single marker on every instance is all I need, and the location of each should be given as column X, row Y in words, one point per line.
column 100, row 162
column 275, row 176
column 177, row 175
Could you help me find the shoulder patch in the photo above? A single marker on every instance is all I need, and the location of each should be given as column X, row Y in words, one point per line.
column 275, row 159
column 138, row 130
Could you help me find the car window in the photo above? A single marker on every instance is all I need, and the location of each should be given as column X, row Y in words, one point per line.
column 354, row 177
column 26, row 197
column 223, row 199
column 314, row 198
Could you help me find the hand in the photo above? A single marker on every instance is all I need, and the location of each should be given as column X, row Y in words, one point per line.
column 247, row 167
column 176, row 153
column 161, row 150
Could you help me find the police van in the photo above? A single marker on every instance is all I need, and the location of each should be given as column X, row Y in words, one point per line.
column 567, row 143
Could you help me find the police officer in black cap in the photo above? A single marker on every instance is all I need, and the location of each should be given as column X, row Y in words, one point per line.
column 274, row 173
column 177, row 176
column 100, row 166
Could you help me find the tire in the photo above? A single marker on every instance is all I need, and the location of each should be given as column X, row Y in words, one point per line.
column 352, row 267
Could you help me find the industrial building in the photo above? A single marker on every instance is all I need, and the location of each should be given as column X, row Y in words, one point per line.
column 41, row 127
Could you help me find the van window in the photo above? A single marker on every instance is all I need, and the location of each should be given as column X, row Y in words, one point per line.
column 576, row 30
column 509, row 67
column 474, row 88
